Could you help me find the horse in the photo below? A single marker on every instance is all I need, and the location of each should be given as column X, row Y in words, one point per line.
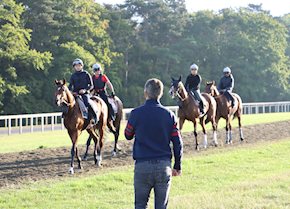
column 225, row 110
column 75, row 123
column 189, row 110
column 115, row 130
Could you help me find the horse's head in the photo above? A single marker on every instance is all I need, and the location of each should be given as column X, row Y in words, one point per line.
column 211, row 88
column 61, row 96
column 177, row 88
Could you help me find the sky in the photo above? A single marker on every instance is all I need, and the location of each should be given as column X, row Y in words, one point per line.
column 276, row 7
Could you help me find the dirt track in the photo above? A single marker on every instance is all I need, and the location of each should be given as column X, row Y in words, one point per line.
column 23, row 167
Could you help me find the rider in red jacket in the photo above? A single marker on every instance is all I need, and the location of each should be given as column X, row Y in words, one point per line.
column 100, row 82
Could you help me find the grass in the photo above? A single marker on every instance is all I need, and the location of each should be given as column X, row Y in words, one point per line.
column 38, row 140
column 248, row 176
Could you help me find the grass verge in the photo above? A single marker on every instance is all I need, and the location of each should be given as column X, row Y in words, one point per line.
column 248, row 176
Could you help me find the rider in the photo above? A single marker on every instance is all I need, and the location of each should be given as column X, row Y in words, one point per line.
column 100, row 82
column 192, row 85
column 80, row 84
column 226, row 85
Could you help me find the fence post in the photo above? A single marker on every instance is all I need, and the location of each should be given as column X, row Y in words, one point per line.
column 42, row 124
column 9, row 126
column 52, row 123
column 31, row 124
column 20, row 126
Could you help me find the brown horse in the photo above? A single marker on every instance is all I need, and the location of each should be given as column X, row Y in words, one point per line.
column 189, row 110
column 224, row 110
column 115, row 130
column 75, row 123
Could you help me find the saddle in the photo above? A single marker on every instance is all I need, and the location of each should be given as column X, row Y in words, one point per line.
column 113, row 103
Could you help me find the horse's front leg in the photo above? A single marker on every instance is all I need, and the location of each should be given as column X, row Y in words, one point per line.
column 202, row 123
column 74, row 138
column 87, row 147
column 72, row 155
column 181, row 122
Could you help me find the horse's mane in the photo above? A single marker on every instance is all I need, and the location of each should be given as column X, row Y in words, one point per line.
column 182, row 88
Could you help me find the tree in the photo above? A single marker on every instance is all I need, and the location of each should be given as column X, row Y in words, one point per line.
column 17, row 60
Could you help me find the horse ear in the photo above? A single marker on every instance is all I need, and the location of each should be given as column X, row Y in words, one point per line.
column 213, row 82
column 56, row 81
column 179, row 78
column 172, row 78
column 63, row 81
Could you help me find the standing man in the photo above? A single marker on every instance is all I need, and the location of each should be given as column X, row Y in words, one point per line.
column 154, row 127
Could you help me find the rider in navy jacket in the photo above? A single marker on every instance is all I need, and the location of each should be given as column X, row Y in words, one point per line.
column 192, row 85
column 81, row 84
column 226, row 85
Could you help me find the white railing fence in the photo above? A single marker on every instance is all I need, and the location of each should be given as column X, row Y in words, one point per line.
column 18, row 124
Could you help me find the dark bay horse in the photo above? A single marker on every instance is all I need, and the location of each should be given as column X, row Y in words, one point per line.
column 189, row 110
column 224, row 109
column 74, row 122
column 116, row 127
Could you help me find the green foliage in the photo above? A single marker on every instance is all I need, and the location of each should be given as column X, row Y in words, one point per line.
column 16, row 58
column 134, row 42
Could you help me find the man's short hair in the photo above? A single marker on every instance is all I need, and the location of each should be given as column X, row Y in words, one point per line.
column 154, row 88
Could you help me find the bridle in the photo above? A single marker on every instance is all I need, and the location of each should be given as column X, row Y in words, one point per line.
column 176, row 92
column 60, row 98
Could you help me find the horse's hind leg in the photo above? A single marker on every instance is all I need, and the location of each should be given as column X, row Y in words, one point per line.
column 240, row 128
column 214, row 129
column 116, row 148
column 230, row 133
column 100, row 147
column 87, row 147
column 78, row 158
column 202, row 123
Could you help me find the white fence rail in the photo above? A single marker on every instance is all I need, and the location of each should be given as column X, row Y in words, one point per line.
column 18, row 124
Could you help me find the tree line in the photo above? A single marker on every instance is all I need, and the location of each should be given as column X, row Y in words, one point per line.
column 135, row 41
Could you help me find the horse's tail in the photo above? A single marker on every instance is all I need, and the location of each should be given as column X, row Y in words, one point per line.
column 211, row 113
column 240, row 105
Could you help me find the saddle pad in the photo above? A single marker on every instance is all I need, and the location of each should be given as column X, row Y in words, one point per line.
column 112, row 101
column 83, row 108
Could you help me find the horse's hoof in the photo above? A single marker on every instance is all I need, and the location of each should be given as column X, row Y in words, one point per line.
column 71, row 170
column 99, row 164
column 85, row 158
column 119, row 148
column 80, row 167
column 204, row 146
column 114, row 154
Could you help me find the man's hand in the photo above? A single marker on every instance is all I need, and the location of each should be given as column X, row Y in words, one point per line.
column 176, row 172
column 113, row 94
column 82, row 91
